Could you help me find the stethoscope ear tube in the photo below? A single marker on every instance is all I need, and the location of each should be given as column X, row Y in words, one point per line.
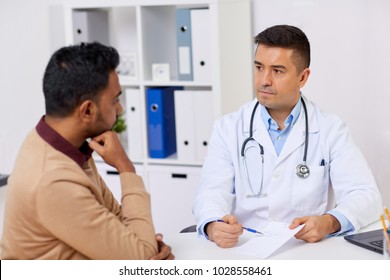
column 250, row 138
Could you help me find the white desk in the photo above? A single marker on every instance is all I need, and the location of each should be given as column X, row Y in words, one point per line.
column 187, row 246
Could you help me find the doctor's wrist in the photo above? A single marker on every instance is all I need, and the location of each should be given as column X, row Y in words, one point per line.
column 205, row 230
column 333, row 223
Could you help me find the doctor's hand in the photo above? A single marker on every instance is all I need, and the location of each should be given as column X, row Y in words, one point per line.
column 316, row 227
column 224, row 234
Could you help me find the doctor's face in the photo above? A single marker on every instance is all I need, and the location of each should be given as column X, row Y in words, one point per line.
column 277, row 81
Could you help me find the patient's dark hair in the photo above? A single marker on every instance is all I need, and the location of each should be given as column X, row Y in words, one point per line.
column 75, row 74
column 290, row 37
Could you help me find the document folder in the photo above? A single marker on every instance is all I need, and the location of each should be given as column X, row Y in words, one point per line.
column 184, row 45
column 204, row 120
column 161, row 121
column 185, row 132
column 89, row 26
column 200, row 30
column 194, row 121
column 133, row 121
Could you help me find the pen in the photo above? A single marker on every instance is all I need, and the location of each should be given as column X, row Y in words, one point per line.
column 252, row 230
column 246, row 228
column 387, row 213
column 383, row 223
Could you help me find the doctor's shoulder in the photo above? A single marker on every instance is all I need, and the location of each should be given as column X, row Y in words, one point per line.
column 330, row 122
column 234, row 120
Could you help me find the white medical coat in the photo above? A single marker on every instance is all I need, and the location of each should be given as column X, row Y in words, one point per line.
column 345, row 183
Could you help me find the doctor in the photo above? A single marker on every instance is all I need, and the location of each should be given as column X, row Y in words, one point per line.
column 280, row 158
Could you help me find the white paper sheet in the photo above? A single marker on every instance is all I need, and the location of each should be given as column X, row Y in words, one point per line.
column 275, row 235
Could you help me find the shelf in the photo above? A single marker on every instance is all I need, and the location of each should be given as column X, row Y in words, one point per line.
column 177, row 83
column 147, row 32
column 172, row 162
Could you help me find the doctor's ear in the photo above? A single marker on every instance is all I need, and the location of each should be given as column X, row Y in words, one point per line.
column 304, row 76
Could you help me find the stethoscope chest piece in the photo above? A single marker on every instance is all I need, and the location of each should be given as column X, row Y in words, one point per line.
column 302, row 170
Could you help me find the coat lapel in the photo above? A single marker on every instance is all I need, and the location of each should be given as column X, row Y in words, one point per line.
column 296, row 137
column 260, row 132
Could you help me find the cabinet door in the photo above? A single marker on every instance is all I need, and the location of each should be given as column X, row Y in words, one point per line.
column 172, row 190
column 111, row 177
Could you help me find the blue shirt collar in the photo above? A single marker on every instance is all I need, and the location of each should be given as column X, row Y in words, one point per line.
column 292, row 118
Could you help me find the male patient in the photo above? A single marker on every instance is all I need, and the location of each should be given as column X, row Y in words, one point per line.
column 57, row 205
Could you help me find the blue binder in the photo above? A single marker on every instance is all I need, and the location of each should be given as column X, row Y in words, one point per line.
column 161, row 121
column 184, row 44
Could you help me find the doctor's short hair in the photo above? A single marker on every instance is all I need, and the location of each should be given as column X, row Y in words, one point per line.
column 75, row 74
column 290, row 37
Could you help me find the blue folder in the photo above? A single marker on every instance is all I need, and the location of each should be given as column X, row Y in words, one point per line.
column 161, row 121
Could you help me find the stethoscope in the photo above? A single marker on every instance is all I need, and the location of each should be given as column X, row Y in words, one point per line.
column 302, row 170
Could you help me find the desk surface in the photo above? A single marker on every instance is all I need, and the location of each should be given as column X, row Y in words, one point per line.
column 188, row 246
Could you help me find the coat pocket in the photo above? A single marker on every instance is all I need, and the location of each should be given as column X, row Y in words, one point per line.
column 310, row 194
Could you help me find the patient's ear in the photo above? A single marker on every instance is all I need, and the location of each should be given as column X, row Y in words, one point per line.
column 86, row 111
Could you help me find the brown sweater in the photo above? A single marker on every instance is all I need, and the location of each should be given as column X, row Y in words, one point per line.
column 57, row 209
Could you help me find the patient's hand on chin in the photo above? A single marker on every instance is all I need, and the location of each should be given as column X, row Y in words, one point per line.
column 108, row 146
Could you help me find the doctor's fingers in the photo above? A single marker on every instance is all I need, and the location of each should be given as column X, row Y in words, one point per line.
column 229, row 229
column 226, row 243
column 310, row 233
column 225, row 240
column 230, row 219
column 310, row 236
column 298, row 221
column 222, row 231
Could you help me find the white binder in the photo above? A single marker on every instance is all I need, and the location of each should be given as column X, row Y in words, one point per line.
column 185, row 132
column 89, row 26
column 184, row 45
column 200, row 28
column 194, row 115
column 203, row 120
column 133, row 123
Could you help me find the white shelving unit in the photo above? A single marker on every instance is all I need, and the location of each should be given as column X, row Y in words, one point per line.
column 147, row 29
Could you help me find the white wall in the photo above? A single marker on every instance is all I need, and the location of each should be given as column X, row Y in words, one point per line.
column 26, row 46
column 350, row 42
